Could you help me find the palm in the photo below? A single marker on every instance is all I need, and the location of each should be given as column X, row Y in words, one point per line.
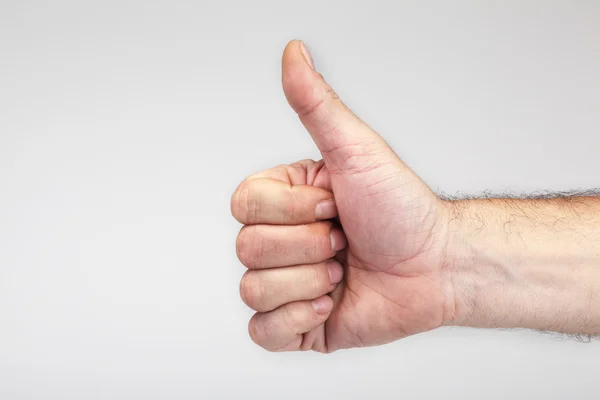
column 393, row 286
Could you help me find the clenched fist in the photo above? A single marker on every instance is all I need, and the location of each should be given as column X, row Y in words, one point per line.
column 344, row 252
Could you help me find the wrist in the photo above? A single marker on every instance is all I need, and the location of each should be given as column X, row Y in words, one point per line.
column 508, row 268
column 458, row 268
column 469, row 266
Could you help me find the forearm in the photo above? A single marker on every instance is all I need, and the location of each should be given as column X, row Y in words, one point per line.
column 525, row 263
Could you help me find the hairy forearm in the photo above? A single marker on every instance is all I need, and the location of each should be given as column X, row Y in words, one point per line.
column 529, row 263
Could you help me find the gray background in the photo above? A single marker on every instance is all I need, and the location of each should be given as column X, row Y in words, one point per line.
column 125, row 127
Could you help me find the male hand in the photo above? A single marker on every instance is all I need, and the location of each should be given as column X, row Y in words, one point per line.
column 317, row 285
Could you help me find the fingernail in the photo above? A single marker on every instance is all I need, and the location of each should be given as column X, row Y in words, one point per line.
column 322, row 305
column 307, row 55
column 338, row 239
column 326, row 209
column 336, row 272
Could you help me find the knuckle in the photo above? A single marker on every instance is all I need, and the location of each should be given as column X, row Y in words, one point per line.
column 255, row 331
column 264, row 330
column 311, row 108
column 244, row 206
column 247, row 247
column 236, row 205
column 251, row 290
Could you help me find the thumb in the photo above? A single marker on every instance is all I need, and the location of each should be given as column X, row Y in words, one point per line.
column 378, row 197
column 346, row 143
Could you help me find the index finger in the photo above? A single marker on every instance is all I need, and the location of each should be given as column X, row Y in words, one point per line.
column 271, row 201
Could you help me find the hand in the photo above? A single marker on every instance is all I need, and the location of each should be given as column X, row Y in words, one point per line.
column 376, row 276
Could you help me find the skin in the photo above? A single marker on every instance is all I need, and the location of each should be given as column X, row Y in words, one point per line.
column 356, row 250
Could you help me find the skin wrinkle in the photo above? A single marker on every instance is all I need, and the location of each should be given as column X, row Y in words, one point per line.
column 392, row 189
column 268, row 332
column 245, row 193
column 357, row 148
column 403, row 333
column 238, row 244
column 424, row 250
column 256, row 295
column 311, row 251
column 282, row 348
column 321, row 169
column 319, row 282
column 255, row 207
column 289, row 175
column 311, row 174
column 291, row 210
column 388, row 178
column 350, row 291
column 358, row 170
column 260, row 293
column 302, row 172
column 449, row 310
column 329, row 95
column 288, row 319
column 272, row 328
column 412, row 218
column 355, row 334
column 421, row 249
column 368, row 266
column 399, row 199
column 259, row 246
column 244, row 288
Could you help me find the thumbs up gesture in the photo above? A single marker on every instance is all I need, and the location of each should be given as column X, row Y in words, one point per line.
column 343, row 252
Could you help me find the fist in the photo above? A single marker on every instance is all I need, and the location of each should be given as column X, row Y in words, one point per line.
column 347, row 251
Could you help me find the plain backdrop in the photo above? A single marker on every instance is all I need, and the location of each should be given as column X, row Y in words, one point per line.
column 125, row 126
